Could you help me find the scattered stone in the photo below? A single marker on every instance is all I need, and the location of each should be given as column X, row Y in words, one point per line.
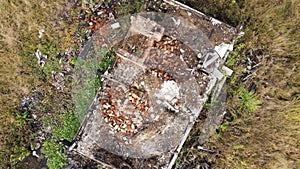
column 115, row 25
column 35, row 154
column 126, row 104
column 228, row 72
column 41, row 32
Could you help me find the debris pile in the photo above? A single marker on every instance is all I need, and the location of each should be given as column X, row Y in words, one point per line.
column 150, row 97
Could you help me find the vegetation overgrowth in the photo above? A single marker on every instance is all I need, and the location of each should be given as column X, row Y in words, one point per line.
column 261, row 128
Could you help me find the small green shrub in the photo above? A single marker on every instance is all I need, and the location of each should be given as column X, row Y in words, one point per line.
column 70, row 125
column 53, row 152
column 233, row 59
column 223, row 127
column 238, row 146
column 22, row 118
column 108, row 59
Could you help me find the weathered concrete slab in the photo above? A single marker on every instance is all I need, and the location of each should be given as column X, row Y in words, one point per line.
column 149, row 100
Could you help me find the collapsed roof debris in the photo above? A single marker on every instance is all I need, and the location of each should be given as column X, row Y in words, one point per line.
column 166, row 65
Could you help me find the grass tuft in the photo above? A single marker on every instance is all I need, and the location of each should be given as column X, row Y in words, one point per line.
column 248, row 102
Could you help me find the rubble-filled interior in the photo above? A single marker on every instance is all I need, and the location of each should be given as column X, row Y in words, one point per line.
column 149, row 99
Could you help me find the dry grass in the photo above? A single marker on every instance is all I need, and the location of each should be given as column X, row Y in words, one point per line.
column 21, row 20
column 20, row 23
column 277, row 25
column 269, row 137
